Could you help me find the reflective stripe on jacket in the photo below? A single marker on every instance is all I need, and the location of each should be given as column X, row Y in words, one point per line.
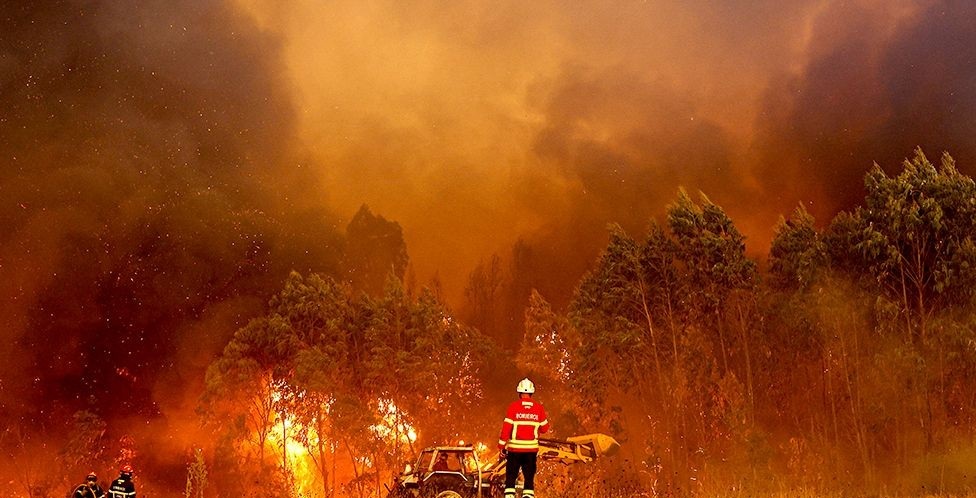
column 524, row 421
column 122, row 488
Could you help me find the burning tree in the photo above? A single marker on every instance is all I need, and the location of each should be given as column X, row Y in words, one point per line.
column 345, row 382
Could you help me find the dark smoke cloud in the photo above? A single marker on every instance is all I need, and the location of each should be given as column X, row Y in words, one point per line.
column 153, row 197
column 622, row 142
column 874, row 88
column 839, row 87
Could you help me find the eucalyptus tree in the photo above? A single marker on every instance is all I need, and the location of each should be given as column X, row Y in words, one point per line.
column 245, row 375
column 913, row 238
column 618, row 335
column 323, row 325
column 880, row 294
column 721, row 279
column 797, row 253
column 548, row 353
column 630, row 329
column 424, row 367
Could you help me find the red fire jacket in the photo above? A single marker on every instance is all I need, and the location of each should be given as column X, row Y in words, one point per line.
column 524, row 421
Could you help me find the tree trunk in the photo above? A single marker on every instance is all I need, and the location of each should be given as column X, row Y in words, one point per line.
column 284, row 443
column 721, row 340
column 744, row 331
column 680, row 436
column 851, row 361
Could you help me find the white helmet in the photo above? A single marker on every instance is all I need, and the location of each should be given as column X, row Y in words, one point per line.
column 525, row 386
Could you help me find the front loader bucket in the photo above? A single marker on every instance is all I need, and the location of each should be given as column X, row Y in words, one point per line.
column 577, row 448
column 599, row 444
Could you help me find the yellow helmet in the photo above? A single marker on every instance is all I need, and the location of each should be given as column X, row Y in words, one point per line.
column 525, row 386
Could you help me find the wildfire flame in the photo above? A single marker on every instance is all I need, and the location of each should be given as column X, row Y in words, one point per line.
column 392, row 425
column 283, row 439
column 299, row 463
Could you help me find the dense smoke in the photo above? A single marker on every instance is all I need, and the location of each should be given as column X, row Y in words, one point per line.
column 153, row 196
column 164, row 164
column 475, row 126
column 877, row 83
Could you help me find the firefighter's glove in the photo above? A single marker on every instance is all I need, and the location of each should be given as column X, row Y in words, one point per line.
column 502, row 454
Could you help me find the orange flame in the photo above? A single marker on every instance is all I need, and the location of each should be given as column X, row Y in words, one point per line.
column 300, row 465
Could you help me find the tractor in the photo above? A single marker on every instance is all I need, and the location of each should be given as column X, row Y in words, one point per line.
column 457, row 472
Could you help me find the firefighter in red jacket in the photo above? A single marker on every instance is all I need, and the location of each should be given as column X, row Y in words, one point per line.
column 519, row 440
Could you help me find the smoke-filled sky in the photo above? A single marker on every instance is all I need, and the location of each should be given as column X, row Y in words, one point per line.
column 164, row 163
column 474, row 123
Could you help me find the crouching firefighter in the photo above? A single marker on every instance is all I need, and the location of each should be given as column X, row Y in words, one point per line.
column 519, row 440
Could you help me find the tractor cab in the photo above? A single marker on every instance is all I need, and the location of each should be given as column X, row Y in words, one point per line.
column 444, row 471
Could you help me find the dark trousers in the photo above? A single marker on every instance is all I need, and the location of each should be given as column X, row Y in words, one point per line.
column 523, row 461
